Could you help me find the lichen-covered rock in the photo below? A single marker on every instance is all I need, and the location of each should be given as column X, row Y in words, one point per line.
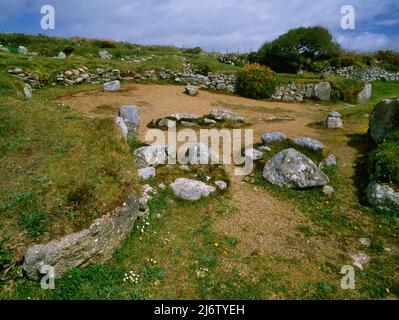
column 28, row 90
column 146, row 173
column 383, row 196
column 166, row 123
column 184, row 116
column 226, row 115
column 131, row 117
column 191, row 190
column 360, row 260
column 322, row 91
column 292, row 169
column 383, row 119
column 112, row 86
column 268, row 137
column 122, row 125
column 253, row 154
column 221, row 185
column 331, row 161
column 105, row 55
column 199, row 153
column 334, row 121
column 309, row 143
column 151, row 156
column 191, row 90
column 365, row 95
column 61, row 55
column 93, row 245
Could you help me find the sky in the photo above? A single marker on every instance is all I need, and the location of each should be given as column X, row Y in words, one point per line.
column 218, row 25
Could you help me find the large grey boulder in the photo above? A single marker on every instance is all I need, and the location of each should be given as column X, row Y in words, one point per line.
column 309, row 143
column 191, row 190
column 322, row 91
column 131, row 117
column 365, row 95
column 383, row 196
column 112, row 86
column 226, row 115
column 151, row 156
column 292, row 169
column 383, row 119
column 105, row 55
column 268, row 137
column 93, row 245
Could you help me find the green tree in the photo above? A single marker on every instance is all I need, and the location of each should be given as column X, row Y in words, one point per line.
column 298, row 49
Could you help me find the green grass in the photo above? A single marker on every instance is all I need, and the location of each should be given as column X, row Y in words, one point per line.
column 56, row 175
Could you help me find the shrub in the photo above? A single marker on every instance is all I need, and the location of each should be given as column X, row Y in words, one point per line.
column 346, row 61
column 345, row 89
column 108, row 44
column 256, row 81
column 68, row 50
column 196, row 50
column 384, row 160
column 203, row 68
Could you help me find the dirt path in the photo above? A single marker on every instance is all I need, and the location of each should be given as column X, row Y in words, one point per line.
column 264, row 224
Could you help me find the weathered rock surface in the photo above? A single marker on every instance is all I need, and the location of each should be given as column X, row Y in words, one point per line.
column 226, row 115
column 151, row 156
column 383, row 119
column 131, row 117
column 61, row 55
column 146, row 173
column 112, row 86
column 334, row 121
column 322, row 91
column 331, row 161
column 221, row 185
column 253, row 154
column 22, row 50
column 184, row 116
column 93, row 245
column 292, row 169
column 166, row 123
column 191, row 90
column 105, row 55
column 191, row 190
column 360, row 260
column 365, row 95
column 383, row 196
column 268, row 137
column 28, row 90
column 199, row 153
column 122, row 125
column 309, row 143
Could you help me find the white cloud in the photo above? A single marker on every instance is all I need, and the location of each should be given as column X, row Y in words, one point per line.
column 367, row 41
column 213, row 24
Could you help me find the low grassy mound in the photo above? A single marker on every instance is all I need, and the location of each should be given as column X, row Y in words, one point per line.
column 59, row 171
